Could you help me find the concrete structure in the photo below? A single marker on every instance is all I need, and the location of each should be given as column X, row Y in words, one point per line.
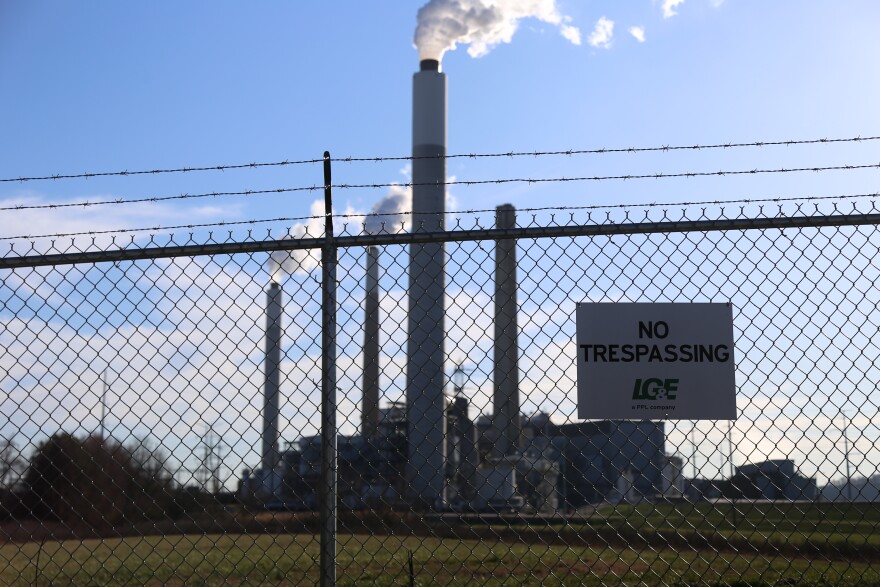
column 272, row 373
column 370, row 400
column 673, row 485
column 427, row 280
column 595, row 453
column 506, row 348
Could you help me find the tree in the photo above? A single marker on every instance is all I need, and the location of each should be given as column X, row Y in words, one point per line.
column 11, row 464
column 99, row 482
column 80, row 481
column 156, row 494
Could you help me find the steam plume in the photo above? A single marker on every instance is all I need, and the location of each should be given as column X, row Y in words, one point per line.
column 387, row 214
column 482, row 24
column 286, row 262
column 386, row 217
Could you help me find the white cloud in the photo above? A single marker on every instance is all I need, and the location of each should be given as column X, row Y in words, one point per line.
column 638, row 32
column 669, row 7
column 98, row 220
column 572, row 33
column 602, row 34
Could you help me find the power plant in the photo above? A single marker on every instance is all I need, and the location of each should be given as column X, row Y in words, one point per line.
column 427, row 453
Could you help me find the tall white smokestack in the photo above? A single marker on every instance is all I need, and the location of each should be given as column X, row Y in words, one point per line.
column 426, row 410
column 273, row 377
column 506, row 396
column 370, row 402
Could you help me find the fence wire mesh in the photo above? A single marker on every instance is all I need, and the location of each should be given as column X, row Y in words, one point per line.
column 160, row 406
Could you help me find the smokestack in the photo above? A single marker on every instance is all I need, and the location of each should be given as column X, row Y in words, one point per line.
column 426, row 409
column 370, row 402
column 506, row 393
column 273, row 376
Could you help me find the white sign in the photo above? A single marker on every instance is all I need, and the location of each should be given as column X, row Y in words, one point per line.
column 655, row 361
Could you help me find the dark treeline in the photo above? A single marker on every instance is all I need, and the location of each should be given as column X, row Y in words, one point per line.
column 95, row 482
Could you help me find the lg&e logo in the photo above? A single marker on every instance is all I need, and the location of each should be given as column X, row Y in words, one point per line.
column 655, row 389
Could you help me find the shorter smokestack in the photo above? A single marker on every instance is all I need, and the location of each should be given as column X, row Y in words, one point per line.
column 370, row 403
column 506, row 396
column 273, row 377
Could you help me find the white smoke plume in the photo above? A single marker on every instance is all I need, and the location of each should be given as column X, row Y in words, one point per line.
column 482, row 24
column 387, row 215
column 302, row 261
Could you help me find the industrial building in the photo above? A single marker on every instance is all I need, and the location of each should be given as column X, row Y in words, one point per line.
column 426, row 453
column 777, row 479
column 561, row 467
column 774, row 479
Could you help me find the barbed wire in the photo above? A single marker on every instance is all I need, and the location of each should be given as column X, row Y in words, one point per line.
column 152, row 199
column 627, row 177
column 566, row 152
column 361, row 217
column 497, row 181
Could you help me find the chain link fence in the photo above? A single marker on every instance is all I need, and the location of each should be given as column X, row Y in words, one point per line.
column 161, row 405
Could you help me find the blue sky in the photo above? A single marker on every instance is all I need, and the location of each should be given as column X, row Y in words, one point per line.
column 108, row 86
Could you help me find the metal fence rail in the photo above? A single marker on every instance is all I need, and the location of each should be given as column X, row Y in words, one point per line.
column 167, row 407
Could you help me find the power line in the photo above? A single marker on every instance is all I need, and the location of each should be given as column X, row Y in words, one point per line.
column 497, row 181
column 397, row 215
column 567, row 152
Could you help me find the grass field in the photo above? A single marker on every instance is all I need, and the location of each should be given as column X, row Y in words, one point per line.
column 782, row 540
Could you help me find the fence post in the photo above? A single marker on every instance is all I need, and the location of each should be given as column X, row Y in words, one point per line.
column 328, row 390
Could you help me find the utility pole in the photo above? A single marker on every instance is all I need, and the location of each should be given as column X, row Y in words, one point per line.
column 103, row 404
column 849, row 496
column 732, row 473
column 730, row 448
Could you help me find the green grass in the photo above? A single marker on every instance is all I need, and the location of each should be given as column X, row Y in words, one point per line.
column 383, row 560
column 842, row 530
column 807, row 545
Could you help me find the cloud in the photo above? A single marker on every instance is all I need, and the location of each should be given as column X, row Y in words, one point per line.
column 669, row 7
column 602, row 34
column 638, row 32
column 572, row 33
column 101, row 218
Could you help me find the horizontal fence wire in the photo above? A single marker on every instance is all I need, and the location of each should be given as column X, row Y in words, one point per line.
column 447, row 183
column 161, row 412
column 510, row 154
column 392, row 228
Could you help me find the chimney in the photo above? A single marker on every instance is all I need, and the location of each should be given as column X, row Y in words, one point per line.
column 426, row 409
column 273, row 376
column 506, row 376
column 370, row 401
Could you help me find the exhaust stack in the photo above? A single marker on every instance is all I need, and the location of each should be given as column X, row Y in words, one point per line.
column 506, row 377
column 426, row 409
column 273, row 377
column 370, row 401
